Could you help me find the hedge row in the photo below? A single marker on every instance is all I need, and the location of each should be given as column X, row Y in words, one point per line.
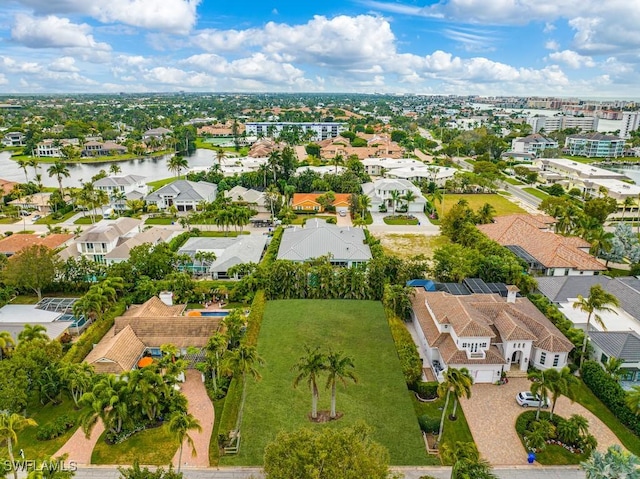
column 274, row 246
column 609, row 391
column 254, row 321
column 94, row 334
column 407, row 351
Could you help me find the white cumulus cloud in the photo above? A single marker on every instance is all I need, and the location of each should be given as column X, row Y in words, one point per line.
column 64, row 64
column 53, row 32
column 572, row 59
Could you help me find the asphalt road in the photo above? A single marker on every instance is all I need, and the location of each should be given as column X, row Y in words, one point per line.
column 519, row 472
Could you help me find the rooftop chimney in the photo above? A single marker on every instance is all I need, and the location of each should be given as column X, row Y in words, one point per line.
column 512, row 292
column 166, row 297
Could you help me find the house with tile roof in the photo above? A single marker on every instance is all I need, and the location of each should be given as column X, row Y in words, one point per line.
column 485, row 333
column 531, row 239
column 144, row 329
column 15, row 243
column 184, row 194
column 345, row 246
column 308, row 202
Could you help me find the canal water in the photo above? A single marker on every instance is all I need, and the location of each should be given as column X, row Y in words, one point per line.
column 151, row 168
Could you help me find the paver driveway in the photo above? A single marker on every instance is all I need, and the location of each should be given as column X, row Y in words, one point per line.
column 492, row 411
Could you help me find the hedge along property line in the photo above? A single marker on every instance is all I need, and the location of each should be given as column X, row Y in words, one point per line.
column 406, row 349
column 233, row 401
column 94, row 334
column 274, row 245
column 609, row 391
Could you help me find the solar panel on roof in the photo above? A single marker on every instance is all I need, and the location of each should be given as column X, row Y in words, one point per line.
column 476, row 285
column 499, row 288
column 521, row 253
column 457, row 289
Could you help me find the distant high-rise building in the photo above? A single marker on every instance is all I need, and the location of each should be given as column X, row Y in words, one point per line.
column 555, row 123
column 318, row 131
column 630, row 122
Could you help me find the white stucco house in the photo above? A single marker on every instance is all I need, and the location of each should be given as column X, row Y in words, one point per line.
column 485, row 333
column 184, row 194
column 379, row 192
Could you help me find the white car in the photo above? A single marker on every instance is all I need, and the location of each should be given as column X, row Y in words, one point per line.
column 528, row 399
column 343, row 213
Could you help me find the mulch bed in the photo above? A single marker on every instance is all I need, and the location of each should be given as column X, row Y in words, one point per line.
column 324, row 416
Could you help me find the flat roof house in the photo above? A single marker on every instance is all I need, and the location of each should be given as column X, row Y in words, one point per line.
column 184, row 194
column 345, row 246
column 485, row 333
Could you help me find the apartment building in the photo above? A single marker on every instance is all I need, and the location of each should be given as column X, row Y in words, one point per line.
column 630, row 122
column 316, row 131
column 556, row 123
column 594, row 145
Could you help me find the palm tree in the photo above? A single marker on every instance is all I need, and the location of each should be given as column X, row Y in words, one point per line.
column 243, row 360
column 613, row 366
column 77, row 378
column 408, row 198
column 632, row 399
column 23, row 164
column 220, row 155
column 598, row 300
column 364, row 204
column 616, row 463
column 32, row 332
column 601, row 241
column 176, row 163
column 6, row 342
column 215, row 349
column 309, row 367
column 435, row 196
column 339, row 368
column 628, row 202
column 115, row 169
column 486, row 213
column 273, row 162
column 337, row 160
column 59, row 169
column 458, row 382
column 561, row 383
column 541, row 386
column 395, row 197
column 466, row 461
column 34, row 163
column 10, row 426
column 180, row 423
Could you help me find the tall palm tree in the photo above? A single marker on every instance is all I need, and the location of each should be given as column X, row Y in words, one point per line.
column 562, row 383
column 436, row 195
column 409, row 198
column 10, row 426
column 6, row 342
column 598, row 300
column 274, row 161
column 23, row 164
column 337, row 160
column 458, row 382
column 612, row 367
column 601, row 241
column 59, row 169
column 628, row 202
column 176, row 163
column 31, row 332
column 395, row 197
column 364, row 202
column 243, row 361
column 115, row 169
column 486, row 213
column 220, row 155
column 215, row 349
column 339, row 368
column 77, row 378
column 309, row 367
column 180, row 423
column 35, row 164
column 541, row 386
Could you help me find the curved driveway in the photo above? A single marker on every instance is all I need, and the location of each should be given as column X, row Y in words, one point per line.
column 492, row 411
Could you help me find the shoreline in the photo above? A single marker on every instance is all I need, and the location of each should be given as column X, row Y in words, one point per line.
column 91, row 160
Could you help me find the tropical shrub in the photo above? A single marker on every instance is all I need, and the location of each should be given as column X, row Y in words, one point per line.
column 407, row 351
column 428, row 424
column 426, row 390
column 57, row 428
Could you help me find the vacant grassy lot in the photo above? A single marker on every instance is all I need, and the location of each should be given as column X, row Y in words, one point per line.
column 359, row 329
column 87, row 220
column 537, row 193
column 502, row 205
column 400, row 220
column 407, row 245
column 160, row 221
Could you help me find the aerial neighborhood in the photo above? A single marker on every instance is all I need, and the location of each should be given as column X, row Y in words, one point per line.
column 447, row 285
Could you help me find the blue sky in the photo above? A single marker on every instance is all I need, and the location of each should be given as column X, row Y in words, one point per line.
column 587, row 48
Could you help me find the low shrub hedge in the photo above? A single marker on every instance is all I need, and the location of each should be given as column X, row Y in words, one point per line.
column 428, row 424
column 426, row 390
column 609, row 391
column 57, row 428
column 406, row 348
column 274, row 245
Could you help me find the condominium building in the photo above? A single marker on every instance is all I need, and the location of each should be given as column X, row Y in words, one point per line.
column 630, row 122
column 555, row 123
column 594, row 145
column 316, row 131
column 535, row 144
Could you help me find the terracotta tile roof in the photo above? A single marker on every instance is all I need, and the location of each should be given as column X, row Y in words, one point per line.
column 154, row 307
column 116, row 353
column 551, row 250
column 181, row 331
column 483, row 315
column 17, row 242
column 299, row 198
column 7, row 186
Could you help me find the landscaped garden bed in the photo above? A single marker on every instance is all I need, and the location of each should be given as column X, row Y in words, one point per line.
column 401, row 220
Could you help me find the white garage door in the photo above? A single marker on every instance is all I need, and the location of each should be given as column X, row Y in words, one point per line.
column 483, row 377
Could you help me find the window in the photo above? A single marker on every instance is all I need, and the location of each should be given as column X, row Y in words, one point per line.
column 543, row 357
column 464, row 345
column 604, row 358
column 556, row 360
column 484, row 345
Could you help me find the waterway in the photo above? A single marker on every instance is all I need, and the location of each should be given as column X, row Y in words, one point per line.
column 631, row 171
column 151, row 168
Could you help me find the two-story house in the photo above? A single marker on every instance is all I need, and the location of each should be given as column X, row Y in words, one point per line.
column 379, row 192
column 103, row 238
column 123, row 188
column 485, row 332
column 13, row 138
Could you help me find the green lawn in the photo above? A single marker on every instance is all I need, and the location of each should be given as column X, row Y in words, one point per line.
column 86, row 220
column 35, row 449
column 400, row 220
column 159, row 221
column 151, row 446
column 8, row 220
column 165, row 181
column 214, row 450
column 359, row 329
column 454, row 431
column 537, row 193
column 513, row 181
column 586, row 398
column 49, row 220
column 502, row 205
column 302, row 219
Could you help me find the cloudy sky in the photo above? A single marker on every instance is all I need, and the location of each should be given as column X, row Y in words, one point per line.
column 588, row 48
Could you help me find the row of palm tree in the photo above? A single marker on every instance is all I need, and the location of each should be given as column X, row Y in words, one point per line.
column 397, row 198
column 551, row 384
column 337, row 366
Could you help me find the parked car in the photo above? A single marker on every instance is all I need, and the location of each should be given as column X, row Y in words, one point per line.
column 343, row 213
column 36, row 217
column 528, row 399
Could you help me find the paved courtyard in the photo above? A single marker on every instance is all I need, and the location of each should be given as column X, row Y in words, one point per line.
column 492, row 411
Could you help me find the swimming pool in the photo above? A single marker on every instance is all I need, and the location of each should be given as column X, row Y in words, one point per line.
column 214, row 313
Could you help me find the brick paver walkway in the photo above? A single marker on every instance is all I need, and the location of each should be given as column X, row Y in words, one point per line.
column 78, row 447
column 492, row 411
column 202, row 409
